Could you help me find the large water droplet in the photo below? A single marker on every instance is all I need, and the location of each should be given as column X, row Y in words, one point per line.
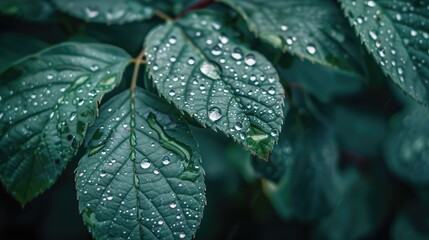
column 271, row 90
column 216, row 51
column 173, row 205
column 250, row 59
column 237, row 54
column 166, row 160
column 215, row 114
column 172, row 40
column 210, row 70
column 182, row 235
column 311, row 49
column 191, row 61
column 145, row 165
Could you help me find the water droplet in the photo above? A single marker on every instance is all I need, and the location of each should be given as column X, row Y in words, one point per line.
column 273, row 133
column 73, row 116
column 102, row 174
column 216, row 51
column 94, row 67
column 173, row 59
column 311, row 49
column 250, row 59
column 191, row 61
column 373, row 35
column 237, row 54
column 283, row 28
column 238, row 126
column 109, row 198
column 145, row 165
column 91, row 13
column 210, row 70
column 160, row 222
column 223, row 39
column 172, row 92
column 182, row 235
column 50, row 76
column 370, row 4
column 172, row 40
column 215, row 114
column 271, row 90
column 173, row 205
column 413, row 32
column 166, row 160
column 400, row 71
column 398, row 17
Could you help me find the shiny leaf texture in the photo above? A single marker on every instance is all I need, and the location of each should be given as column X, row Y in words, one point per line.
column 141, row 177
column 107, row 11
column 199, row 65
column 311, row 29
column 47, row 100
column 407, row 147
column 396, row 33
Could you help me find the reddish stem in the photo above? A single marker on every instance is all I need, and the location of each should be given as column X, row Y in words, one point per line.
column 194, row 7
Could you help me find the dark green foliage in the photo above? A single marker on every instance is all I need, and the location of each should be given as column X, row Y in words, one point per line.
column 319, row 105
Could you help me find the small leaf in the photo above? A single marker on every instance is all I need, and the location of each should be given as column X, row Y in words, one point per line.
column 311, row 29
column 396, row 34
column 407, row 149
column 309, row 187
column 35, row 10
column 141, row 178
column 47, row 100
column 200, row 66
column 107, row 11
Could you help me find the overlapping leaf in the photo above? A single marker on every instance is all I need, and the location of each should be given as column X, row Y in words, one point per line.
column 199, row 65
column 396, row 33
column 47, row 100
column 311, row 29
column 407, row 148
column 141, row 177
column 308, row 188
column 411, row 223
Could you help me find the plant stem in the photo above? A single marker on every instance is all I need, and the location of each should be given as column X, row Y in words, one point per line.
column 163, row 16
column 194, row 7
column 137, row 62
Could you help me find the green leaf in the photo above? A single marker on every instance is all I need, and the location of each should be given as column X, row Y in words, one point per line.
column 309, row 187
column 406, row 149
column 141, row 178
column 15, row 46
column 47, row 101
column 311, row 29
column 34, row 10
column 396, row 34
column 107, row 11
column 411, row 223
column 324, row 83
column 199, row 65
column 358, row 131
column 361, row 210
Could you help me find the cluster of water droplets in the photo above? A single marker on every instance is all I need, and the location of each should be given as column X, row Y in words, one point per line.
column 396, row 35
column 215, row 79
column 119, row 12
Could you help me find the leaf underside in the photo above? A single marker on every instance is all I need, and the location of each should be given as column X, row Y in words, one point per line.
column 47, row 101
column 396, row 33
column 141, row 178
column 198, row 64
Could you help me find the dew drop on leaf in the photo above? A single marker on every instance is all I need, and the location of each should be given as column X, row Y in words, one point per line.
column 210, row 70
column 215, row 114
column 250, row 59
